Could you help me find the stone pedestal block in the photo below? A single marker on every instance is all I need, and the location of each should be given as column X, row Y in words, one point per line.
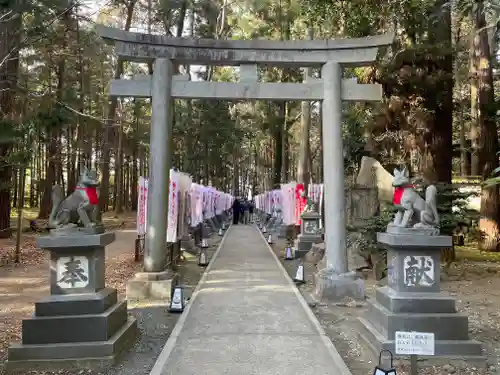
column 188, row 245
column 152, row 286
column 81, row 323
column 220, row 220
column 217, row 222
column 278, row 224
column 263, row 218
column 413, row 301
column 271, row 223
column 309, row 233
column 213, row 225
column 282, row 231
column 317, row 253
column 304, row 242
column 206, row 229
column 333, row 287
column 197, row 234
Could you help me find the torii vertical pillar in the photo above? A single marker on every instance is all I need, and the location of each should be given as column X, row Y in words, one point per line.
column 335, row 282
column 159, row 166
column 155, row 283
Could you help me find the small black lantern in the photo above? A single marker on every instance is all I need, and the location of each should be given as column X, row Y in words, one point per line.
column 379, row 369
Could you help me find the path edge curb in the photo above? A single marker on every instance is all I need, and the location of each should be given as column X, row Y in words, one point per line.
column 174, row 335
column 337, row 359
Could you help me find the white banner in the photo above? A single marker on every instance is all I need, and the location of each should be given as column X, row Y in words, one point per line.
column 286, row 198
column 199, row 203
column 142, row 207
column 288, row 206
column 196, row 194
column 173, row 206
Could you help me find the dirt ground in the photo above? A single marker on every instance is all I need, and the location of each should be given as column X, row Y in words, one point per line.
column 475, row 285
column 21, row 285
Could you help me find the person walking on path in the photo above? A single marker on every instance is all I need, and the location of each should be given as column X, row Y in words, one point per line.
column 242, row 211
column 236, row 211
column 250, row 210
column 246, row 211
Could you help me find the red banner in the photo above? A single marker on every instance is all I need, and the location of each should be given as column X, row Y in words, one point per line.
column 300, row 201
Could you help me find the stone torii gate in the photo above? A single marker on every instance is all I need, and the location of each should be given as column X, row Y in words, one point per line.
column 162, row 85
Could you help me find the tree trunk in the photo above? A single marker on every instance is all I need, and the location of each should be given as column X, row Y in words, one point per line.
column 109, row 132
column 54, row 166
column 14, row 186
column 119, row 171
column 278, row 144
column 5, row 177
column 474, row 124
column 55, row 169
column 438, row 136
column 488, row 139
column 9, row 37
column 135, row 151
column 235, row 191
column 463, row 143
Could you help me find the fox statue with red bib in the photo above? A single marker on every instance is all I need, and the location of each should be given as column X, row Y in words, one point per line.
column 413, row 210
column 81, row 208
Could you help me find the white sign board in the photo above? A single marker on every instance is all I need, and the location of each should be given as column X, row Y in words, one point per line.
column 414, row 343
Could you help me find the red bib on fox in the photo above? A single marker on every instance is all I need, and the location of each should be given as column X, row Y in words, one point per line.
column 91, row 194
column 398, row 193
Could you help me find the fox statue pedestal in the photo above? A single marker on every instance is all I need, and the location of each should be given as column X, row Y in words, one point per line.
column 81, row 324
column 413, row 301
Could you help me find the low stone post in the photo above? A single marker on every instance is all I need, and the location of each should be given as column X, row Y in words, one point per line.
column 206, row 228
column 81, row 323
column 188, row 243
column 184, row 230
column 214, row 224
column 309, row 233
column 221, row 219
column 197, row 235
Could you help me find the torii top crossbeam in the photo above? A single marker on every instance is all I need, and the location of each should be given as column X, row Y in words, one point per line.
column 133, row 46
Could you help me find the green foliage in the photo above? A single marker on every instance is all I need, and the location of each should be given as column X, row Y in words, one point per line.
column 452, row 208
column 52, row 118
column 9, row 131
column 376, row 224
column 365, row 241
column 494, row 180
column 354, row 142
column 448, row 197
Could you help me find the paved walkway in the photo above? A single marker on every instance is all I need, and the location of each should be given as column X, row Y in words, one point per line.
column 247, row 317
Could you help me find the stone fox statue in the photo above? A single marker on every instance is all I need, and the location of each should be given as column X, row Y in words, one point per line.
column 412, row 208
column 80, row 207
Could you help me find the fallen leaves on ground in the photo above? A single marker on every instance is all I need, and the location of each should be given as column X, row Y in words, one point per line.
column 29, row 255
column 476, row 287
column 120, row 267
